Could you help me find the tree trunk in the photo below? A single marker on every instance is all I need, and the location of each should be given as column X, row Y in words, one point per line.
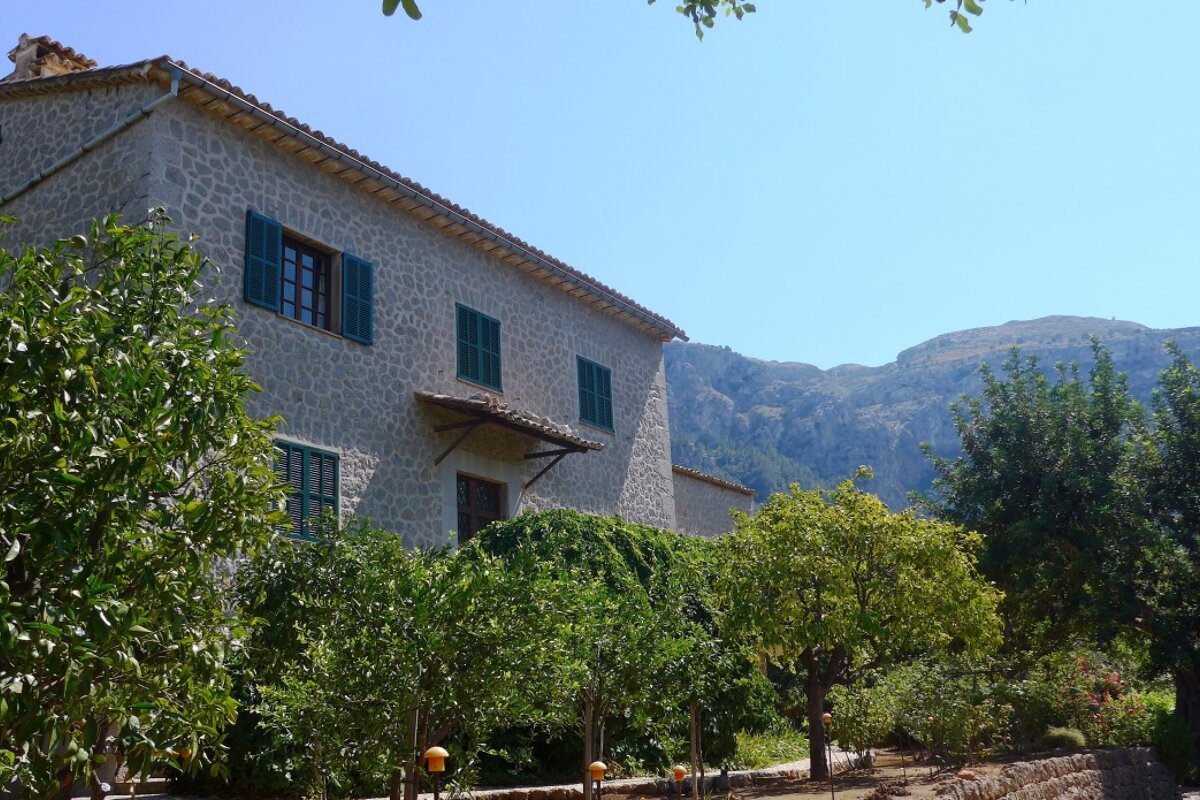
column 1187, row 703
column 695, row 731
column 815, row 694
column 411, row 764
column 396, row 785
column 589, row 725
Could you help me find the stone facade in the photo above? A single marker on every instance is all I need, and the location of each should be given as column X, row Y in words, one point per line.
column 704, row 505
column 1132, row 774
column 337, row 394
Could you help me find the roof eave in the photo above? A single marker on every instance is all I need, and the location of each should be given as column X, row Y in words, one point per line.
column 457, row 222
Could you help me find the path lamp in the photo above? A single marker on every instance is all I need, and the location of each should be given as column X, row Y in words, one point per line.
column 435, row 764
column 826, row 721
column 678, row 772
column 597, row 768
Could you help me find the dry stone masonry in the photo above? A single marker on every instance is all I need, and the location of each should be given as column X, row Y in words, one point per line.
column 1131, row 774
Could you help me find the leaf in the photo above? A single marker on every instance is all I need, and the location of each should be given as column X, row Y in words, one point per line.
column 13, row 551
column 961, row 21
column 973, row 7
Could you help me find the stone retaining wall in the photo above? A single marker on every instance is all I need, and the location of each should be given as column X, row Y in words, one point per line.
column 1133, row 774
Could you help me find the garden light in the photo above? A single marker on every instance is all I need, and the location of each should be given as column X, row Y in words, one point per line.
column 598, row 768
column 435, row 759
column 678, row 772
column 435, row 764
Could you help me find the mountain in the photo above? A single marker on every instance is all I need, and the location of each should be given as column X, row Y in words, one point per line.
column 767, row 423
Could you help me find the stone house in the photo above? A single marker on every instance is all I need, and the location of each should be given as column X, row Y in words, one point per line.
column 433, row 372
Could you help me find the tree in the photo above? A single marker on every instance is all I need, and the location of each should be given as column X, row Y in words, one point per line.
column 1175, row 588
column 129, row 470
column 832, row 585
column 1053, row 475
column 371, row 652
column 639, row 636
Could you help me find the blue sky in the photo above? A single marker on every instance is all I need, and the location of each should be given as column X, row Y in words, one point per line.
column 826, row 182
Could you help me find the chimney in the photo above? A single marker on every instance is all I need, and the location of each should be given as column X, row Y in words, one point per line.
column 42, row 57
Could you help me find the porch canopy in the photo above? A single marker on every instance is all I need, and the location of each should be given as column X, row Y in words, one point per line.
column 485, row 409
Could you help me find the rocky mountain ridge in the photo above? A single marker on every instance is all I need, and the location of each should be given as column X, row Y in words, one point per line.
column 768, row 423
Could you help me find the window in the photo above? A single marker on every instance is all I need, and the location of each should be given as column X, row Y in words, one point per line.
column 480, row 502
column 307, row 284
column 595, row 394
column 312, row 479
column 478, row 348
column 297, row 280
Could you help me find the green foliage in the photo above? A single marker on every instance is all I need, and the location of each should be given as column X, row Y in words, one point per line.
column 833, row 585
column 864, row 714
column 704, row 13
column 1175, row 745
column 957, row 707
column 129, row 471
column 650, row 636
column 1061, row 739
column 1173, row 588
column 1052, row 474
column 361, row 633
column 765, row 749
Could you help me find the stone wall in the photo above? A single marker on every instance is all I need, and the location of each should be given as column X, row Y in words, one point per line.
column 1132, row 774
column 39, row 130
column 335, row 393
column 704, row 508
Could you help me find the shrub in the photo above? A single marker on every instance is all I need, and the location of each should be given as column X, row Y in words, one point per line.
column 759, row 750
column 966, row 700
column 864, row 714
column 1126, row 721
column 1173, row 741
column 1056, row 738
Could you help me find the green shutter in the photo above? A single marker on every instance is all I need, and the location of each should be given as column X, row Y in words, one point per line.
column 595, row 393
column 587, row 390
column 478, row 348
column 264, row 255
column 311, row 477
column 358, row 290
column 604, row 416
column 489, row 347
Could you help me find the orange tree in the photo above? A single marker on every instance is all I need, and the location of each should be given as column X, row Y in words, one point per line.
column 832, row 585
column 128, row 470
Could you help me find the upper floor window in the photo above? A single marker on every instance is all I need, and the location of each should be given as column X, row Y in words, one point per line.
column 307, row 284
column 311, row 476
column 299, row 281
column 478, row 348
column 595, row 393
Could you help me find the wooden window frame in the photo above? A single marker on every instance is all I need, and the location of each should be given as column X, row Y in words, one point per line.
column 322, row 273
column 478, row 517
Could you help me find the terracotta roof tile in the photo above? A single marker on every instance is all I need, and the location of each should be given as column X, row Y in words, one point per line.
column 704, row 476
column 166, row 64
column 489, row 407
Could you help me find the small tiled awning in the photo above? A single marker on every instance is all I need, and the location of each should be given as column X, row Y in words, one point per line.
column 485, row 409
